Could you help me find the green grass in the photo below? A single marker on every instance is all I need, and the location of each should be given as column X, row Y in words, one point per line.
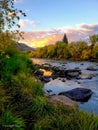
column 9, row 121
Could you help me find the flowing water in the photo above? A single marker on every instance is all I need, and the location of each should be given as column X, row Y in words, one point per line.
column 62, row 84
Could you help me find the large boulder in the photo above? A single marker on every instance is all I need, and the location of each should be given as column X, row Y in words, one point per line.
column 63, row 99
column 78, row 94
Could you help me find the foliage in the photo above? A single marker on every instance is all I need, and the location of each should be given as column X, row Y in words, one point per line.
column 9, row 17
column 95, row 51
column 13, row 64
column 93, row 40
column 86, row 53
column 6, row 39
column 9, row 14
column 57, row 51
column 75, row 50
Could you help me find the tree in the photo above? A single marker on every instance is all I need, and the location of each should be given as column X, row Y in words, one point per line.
column 93, row 40
column 9, row 14
column 9, row 17
column 76, row 48
column 65, row 40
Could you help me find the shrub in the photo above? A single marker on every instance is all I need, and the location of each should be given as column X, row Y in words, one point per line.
column 13, row 65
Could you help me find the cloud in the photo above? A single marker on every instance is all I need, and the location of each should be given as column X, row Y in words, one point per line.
column 18, row 1
column 89, row 27
column 82, row 31
column 40, row 38
column 45, row 37
column 26, row 22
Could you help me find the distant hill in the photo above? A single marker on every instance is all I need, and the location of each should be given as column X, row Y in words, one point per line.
column 24, row 47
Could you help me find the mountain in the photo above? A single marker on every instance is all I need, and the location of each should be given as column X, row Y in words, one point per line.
column 24, row 47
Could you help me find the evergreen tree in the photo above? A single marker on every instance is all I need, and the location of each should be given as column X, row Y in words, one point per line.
column 65, row 40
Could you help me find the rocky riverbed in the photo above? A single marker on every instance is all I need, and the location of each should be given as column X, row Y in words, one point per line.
column 63, row 76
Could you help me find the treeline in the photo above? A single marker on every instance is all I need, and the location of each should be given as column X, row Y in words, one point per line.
column 79, row 50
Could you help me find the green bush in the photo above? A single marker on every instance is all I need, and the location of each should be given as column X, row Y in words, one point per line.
column 13, row 65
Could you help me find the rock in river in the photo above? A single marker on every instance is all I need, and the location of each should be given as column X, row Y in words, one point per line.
column 92, row 68
column 78, row 94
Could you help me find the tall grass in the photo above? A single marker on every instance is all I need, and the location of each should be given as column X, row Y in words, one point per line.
column 9, row 121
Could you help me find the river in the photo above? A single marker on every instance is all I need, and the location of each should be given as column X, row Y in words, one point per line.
column 58, row 85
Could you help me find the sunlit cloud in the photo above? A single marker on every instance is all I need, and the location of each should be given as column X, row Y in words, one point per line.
column 26, row 22
column 42, row 38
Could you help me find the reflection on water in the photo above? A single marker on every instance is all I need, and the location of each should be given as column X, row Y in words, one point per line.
column 58, row 85
column 46, row 72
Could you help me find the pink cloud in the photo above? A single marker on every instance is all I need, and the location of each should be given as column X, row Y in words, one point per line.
column 46, row 37
column 26, row 22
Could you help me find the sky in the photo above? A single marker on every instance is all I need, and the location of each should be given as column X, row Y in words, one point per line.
column 48, row 20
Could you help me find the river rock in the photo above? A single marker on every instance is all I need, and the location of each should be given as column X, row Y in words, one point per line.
column 45, row 79
column 92, row 68
column 46, row 66
column 86, row 76
column 63, row 99
column 78, row 94
column 38, row 72
column 73, row 74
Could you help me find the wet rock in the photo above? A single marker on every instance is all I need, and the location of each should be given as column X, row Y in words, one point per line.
column 63, row 99
column 46, row 66
column 63, row 80
column 92, row 68
column 66, row 73
column 73, row 70
column 73, row 74
column 78, row 94
column 86, row 76
column 78, row 82
column 46, row 79
column 49, row 91
column 38, row 72
column 77, row 68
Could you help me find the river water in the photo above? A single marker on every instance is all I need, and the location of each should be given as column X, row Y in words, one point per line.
column 58, row 85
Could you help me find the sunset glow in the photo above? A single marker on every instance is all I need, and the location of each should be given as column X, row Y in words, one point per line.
column 47, row 21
